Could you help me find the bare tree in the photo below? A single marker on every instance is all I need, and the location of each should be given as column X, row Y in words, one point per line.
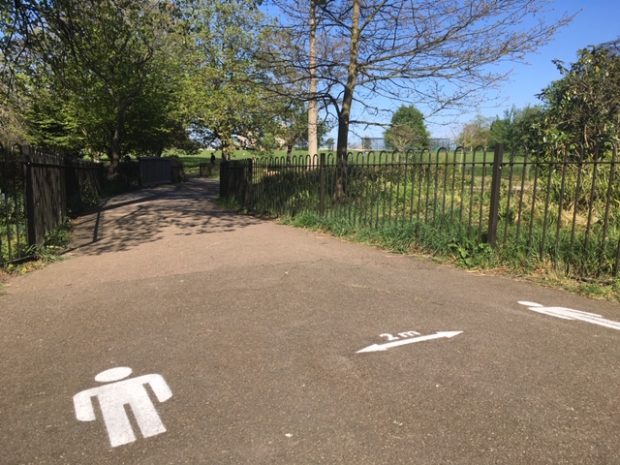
column 313, row 143
column 435, row 52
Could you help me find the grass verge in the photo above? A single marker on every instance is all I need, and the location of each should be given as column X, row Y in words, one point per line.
column 446, row 245
column 55, row 244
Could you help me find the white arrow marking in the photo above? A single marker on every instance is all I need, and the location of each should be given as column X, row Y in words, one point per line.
column 402, row 342
column 571, row 314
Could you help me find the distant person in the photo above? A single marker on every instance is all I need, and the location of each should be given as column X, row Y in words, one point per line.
column 213, row 159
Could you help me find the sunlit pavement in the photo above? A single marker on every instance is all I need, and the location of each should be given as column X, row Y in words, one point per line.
column 178, row 333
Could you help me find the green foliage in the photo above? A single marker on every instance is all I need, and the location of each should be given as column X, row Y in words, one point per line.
column 581, row 112
column 475, row 133
column 519, row 129
column 583, row 107
column 408, row 130
column 121, row 77
column 223, row 92
column 104, row 76
column 287, row 125
column 56, row 242
column 54, row 120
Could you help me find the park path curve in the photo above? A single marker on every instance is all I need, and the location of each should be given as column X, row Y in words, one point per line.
column 256, row 326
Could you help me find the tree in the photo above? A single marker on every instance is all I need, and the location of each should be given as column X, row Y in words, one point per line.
column 292, row 124
column 475, row 133
column 583, row 107
column 519, row 129
column 12, row 126
column 407, row 130
column 91, row 64
column 225, row 94
column 434, row 53
column 312, row 126
column 503, row 130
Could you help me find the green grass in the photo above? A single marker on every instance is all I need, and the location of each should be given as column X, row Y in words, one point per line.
column 13, row 229
column 56, row 242
column 444, row 212
column 445, row 243
column 439, row 238
column 192, row 161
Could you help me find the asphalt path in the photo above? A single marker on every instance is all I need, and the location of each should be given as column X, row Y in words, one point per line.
column 243, row 338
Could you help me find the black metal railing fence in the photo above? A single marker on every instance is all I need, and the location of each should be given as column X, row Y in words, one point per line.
column 565, row 211
column 37, row 192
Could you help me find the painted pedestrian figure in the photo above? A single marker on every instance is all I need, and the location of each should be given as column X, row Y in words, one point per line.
column 121, row 392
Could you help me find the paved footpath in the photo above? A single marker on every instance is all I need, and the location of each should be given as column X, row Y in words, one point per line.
column 243, row 340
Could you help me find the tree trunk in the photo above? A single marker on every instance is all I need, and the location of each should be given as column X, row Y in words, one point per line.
column 114, row 150
column 227, row 146
column 313, row 147
column 225, row 151
column 344, row 115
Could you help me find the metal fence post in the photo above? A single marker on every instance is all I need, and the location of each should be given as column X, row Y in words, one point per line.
column 30, row 204
column 247, row 184
column 322, row 184
column 224, row 172
column 496, row 183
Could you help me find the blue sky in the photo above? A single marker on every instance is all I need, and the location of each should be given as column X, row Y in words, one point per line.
column 596, row 21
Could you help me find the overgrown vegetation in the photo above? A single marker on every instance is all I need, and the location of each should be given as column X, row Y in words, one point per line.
column 56, row 242
column 580, row 112
column 444, row 245
column 563, row 218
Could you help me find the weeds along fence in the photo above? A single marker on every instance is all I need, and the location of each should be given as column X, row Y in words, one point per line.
column 483, row 206
column 37, row 192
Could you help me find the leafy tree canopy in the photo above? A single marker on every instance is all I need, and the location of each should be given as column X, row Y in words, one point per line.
column 583, row 107
column 519, row 128
column 100, row 75
column 475, row 133
column 407, row 130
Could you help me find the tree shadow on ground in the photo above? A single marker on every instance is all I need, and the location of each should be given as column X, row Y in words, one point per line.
column 148, row 215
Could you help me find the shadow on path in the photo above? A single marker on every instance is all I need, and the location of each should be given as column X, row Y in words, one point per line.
column 148, row 215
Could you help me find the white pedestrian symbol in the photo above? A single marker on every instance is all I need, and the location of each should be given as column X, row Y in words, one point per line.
column 115, row 396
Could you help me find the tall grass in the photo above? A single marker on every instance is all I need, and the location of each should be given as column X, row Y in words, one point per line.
column 562, row 216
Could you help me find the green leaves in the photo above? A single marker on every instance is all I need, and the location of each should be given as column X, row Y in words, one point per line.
column 104, row 76
column 225, row 93
column 408, row 129
column 475, row 133
column 583, row 107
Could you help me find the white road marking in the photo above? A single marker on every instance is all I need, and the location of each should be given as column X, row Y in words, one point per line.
column 402, row 342
column 571, row 314
column 115, row 396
